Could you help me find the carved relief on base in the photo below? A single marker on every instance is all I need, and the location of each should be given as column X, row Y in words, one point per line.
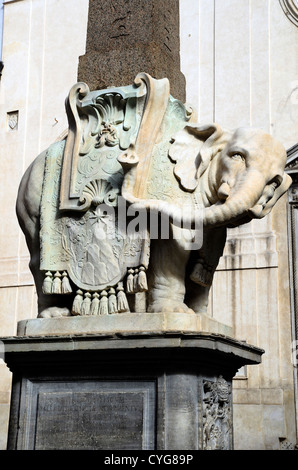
column 217, row 415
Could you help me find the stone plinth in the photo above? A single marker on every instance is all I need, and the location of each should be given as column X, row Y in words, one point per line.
column 134, row 36
column 136, row 323
column 123, row 391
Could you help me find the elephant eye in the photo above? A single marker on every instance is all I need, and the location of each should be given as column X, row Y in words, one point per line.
column 237, row 156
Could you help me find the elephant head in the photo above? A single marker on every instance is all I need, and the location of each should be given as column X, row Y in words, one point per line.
column 235, row 175
column 240, row 174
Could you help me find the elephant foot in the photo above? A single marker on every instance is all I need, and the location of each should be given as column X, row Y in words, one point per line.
column 169, row 306
column 52, row 312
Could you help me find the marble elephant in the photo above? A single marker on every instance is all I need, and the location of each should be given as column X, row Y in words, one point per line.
column 235, row 176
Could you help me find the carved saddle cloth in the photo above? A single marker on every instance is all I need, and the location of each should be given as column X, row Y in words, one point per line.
column 86, row 244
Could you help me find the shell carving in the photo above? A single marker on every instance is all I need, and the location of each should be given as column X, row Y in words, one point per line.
column 97, row 192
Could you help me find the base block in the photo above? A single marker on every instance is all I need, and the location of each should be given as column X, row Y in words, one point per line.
column 141, row 323
column 123, row 391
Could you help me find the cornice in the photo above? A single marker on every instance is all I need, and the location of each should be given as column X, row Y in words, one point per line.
column 292, row 160
column 292, row 170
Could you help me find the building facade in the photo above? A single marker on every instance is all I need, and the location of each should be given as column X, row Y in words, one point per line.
column 239, row 58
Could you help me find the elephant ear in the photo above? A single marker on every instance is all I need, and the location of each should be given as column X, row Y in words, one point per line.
column 192, row 150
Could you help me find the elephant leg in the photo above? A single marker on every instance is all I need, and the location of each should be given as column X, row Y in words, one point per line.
column 201, row 268
column 197, row 296
column 168, row 260
column 48, row 305
column 28, row 213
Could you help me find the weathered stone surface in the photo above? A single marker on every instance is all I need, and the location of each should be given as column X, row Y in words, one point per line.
column 129, row 22
column 135, row 36
column 121, row 67
column 109, row 415
column 142, row 323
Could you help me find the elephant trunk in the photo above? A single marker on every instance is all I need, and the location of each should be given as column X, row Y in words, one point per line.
column 241, row 199
column 237, row 205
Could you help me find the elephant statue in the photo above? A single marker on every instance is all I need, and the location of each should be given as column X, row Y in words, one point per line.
column 136, row 147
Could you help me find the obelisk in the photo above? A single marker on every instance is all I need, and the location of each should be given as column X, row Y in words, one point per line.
column 126, row 37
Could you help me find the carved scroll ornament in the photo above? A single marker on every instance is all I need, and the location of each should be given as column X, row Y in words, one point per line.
column 290, row 8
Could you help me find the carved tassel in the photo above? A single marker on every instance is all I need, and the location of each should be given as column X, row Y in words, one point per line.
column 56, row 286
column 94, row 309
column 122, row 303
column 103, row 304
column 86, row 304
column 129, row 282
column 47, row 283
column 65, row 287
column 77, row 303
column 135, row 281
column 112, row 301
column 142, row 280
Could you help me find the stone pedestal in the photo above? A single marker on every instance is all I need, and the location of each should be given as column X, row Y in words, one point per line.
column 122, row 391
